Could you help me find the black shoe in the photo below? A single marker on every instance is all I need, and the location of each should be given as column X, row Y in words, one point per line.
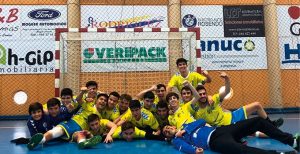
column 277, row 123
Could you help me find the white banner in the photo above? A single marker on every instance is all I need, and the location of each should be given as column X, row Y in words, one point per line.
column 289, row 36
column 31, row 21
column 26, row 57
column 123, row 16
column 233, row 53
column 10, row 22
column 150, row 55
column 208, row 18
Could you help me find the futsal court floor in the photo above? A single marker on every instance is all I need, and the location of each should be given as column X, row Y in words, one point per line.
column 15, row 129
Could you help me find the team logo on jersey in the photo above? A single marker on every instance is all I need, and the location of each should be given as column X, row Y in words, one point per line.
column 189, row 20
column 145, row 116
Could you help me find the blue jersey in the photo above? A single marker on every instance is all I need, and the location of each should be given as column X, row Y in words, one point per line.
column 39, row 126
column 196, row 136
column 64, row 115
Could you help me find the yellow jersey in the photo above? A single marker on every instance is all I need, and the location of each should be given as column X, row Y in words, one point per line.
column 147, row 119
column 111, row 114
column 81, row 116
column 137, row 133
column 213, row 114
column 193, row 77
column 180, row 117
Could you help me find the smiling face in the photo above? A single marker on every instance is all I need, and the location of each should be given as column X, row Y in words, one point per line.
column 182, row 67
column 92, row 91
column 37, row 115
column 186, row 95
column 101, row 103
column 66, row 99
column 173, row 102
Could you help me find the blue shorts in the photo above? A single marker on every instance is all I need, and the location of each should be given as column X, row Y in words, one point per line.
column 238, row 115
column 69, row 127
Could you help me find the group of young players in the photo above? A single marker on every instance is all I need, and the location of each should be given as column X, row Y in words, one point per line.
column 193, row 123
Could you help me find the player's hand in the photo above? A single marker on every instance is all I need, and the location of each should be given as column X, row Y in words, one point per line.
column 157, row 132
column 153, row 88
column 204, row 72
column 210, row 100
column 83, row 89
column 180, row 133
column 186, row 83
column 199, row 151
column 70, row 107
column 223, row 75
column 108, row 139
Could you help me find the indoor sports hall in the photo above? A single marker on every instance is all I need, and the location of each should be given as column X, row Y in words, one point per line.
column 242, row 51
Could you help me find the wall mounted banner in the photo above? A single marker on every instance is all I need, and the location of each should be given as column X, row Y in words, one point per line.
column 123, row 16
column 17, row 57
column 289, row 36
column 233, row 53
column 244, row 21
column 31, row 21
column 210, row 22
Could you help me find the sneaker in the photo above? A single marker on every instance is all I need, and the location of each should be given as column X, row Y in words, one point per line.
column 277, row 123
column 296, row 145
column 35, row 140
column 90, row 142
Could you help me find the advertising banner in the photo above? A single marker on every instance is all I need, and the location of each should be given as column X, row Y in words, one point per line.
column 244, row 21
column 125, row 56
column 289, row 36
column 232, row 37
column 17, row 57
column 123, row 16
column 29, row 22
column 233, row 53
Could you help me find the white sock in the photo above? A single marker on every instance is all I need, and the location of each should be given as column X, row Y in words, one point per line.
column 295, row 143
column 81, row 140
column 56, row 132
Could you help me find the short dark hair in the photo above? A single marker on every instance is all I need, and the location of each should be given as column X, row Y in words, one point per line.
column 134, row 104
column 91, row 83
column 160, row 85
column 149, row 94
column 181, row 60
column 34, row 107
column 92, row 117
column 186, row 88
column 169, row 95
column 127, row 125
column 200, row 87
column 53, row 102
column 114, row 93
column 66, row 92
column 162, row 104
column 102, row 94
column 126, row 97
